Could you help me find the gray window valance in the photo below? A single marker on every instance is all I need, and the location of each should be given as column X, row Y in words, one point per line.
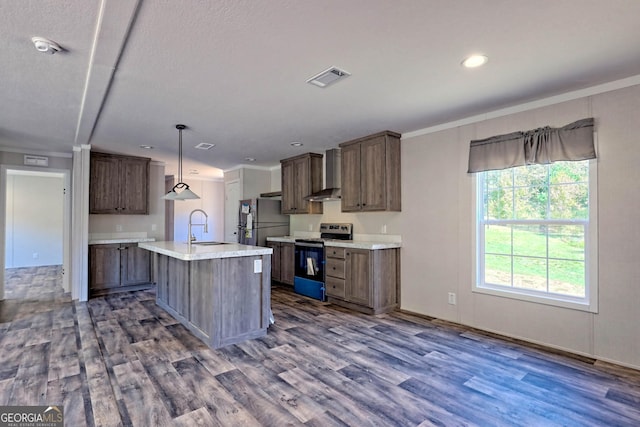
column 539, row 146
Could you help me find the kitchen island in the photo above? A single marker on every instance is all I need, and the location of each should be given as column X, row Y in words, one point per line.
column 220, row 292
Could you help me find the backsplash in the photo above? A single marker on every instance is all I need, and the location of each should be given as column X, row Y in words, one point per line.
column 122, row 235
column 364, row 224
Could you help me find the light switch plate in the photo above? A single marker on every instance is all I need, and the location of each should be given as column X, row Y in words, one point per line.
column 257, row 266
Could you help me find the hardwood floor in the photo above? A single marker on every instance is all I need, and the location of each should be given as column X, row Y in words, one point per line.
column 121, row 360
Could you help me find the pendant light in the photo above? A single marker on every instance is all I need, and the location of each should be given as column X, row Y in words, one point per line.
column 180, row 191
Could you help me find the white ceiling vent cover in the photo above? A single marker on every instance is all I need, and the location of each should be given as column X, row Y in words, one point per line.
column 205, row 146
column 328, row 77
column 30, row 160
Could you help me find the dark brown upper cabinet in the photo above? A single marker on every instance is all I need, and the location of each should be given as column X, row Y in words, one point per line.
column 371, row 173
column 118, row 184
column 301, row 176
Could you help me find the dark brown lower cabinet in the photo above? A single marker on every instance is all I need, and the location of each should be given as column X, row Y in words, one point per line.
column 118, row 267
column 363, row 280
column 282, row 262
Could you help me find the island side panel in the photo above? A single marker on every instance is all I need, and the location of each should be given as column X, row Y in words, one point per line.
column 201, row 298
column 242, row 300
column 161, row 270
column 178, row 286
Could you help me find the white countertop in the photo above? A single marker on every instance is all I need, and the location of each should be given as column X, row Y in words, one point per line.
column 121, row 240
column 351, row 244
column 183, row 251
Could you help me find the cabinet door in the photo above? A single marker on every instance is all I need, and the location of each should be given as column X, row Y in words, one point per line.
column 104, row 185
column 287, row 262
column 302, row 174
column 275, row 260
column 358, row 277
column 136, row 265
column 351, row 178
column 104, row 266
column 134, row 180
column 288, row 188
column 373, row 179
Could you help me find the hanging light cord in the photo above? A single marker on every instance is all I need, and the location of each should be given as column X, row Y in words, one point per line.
column 180, row 184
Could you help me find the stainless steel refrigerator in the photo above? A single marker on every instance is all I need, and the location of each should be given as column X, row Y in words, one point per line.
column 259, row 219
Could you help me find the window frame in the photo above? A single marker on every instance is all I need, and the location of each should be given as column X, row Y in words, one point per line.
column 590, row 302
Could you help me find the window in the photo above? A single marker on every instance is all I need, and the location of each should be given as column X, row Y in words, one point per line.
column 536, row 233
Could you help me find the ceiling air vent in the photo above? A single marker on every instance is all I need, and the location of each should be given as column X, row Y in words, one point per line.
column 205, row 146
column 328, row 77
column 30, row 160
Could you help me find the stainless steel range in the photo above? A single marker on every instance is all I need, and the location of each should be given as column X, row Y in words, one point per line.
column 310, row 260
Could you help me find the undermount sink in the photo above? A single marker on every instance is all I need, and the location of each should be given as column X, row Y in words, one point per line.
column 209, row 243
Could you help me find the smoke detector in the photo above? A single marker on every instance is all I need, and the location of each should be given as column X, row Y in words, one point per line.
column 45, row 45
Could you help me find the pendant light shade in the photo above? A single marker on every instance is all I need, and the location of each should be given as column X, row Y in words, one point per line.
column 180, row 191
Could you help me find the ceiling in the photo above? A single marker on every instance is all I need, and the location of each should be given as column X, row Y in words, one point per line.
column 235, row 71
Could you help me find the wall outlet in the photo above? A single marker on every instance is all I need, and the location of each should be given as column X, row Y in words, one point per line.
column 383, row 229
column 310, row 227
column 118, row 227
column 35, row 255
column 452, row 298
column 257, row 266
column 154, row 227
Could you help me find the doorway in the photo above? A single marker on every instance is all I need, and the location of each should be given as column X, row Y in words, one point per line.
column 35, row 229
column 231, row 207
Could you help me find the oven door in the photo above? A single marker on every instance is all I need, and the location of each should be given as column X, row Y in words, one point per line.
column 309, row 270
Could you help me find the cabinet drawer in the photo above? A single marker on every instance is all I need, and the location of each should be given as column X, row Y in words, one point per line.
column 334, row 252
column 335, row 268
column 334, row 287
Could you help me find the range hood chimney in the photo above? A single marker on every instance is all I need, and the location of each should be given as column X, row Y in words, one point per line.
column 332, row 172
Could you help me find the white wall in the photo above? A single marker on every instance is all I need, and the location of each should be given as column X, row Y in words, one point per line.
column 437, row 231
column 211, row 201
column 34, row 220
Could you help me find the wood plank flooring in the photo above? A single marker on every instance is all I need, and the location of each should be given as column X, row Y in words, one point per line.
column 121, row 360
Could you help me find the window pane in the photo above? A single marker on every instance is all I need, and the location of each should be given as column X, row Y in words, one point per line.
column 530, row 273
column 567, row 277
column 501, row 178
column 567, row 242
column 531, row 203
column 530, row 240
column 530, row 176
column 497, row 270
column 568, row 172
column 499, row 196
column 569, row 201
column 527, row 247
column 500, row 203
column 497, row 239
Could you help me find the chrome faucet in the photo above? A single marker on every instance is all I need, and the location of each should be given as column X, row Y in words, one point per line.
column 192, row 238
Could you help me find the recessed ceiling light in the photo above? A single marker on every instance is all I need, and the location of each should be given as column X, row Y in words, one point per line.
column 249, row 159
column 193, row 172
column 147, row 147
column 297, row 144
column 45, row 45
column 474, row 61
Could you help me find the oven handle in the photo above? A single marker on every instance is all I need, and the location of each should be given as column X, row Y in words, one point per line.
column 310, row 245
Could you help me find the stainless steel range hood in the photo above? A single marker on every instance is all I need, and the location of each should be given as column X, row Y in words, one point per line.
column 332, row 172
